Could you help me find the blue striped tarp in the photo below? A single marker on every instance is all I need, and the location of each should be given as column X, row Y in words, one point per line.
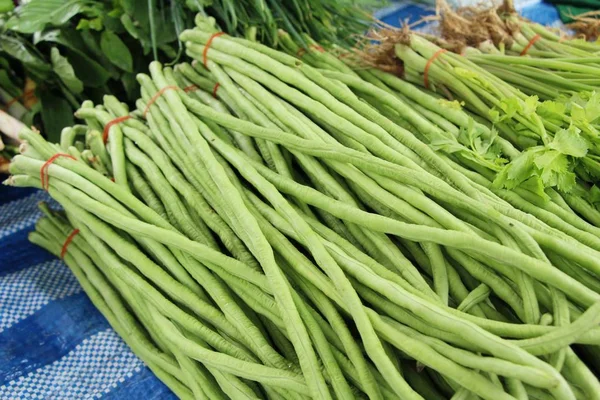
column 53, row 343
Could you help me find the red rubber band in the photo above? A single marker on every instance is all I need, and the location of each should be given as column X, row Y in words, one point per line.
column 44, row 170
column 204, row 53
column 110, row 124
column 156, row 96
column 68, row 241
column 190, row 88
column 531, row 43
column 428, row 65
column 214, row 92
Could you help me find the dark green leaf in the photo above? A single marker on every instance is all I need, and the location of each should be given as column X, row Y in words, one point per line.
column 66, row 37
column 115, row 13
column 56, row 114
column 35, row 15
column 91, row 44
column 8, row 85
column 116, row 51
column 91, row 40
column 65, row 71
column 131, row 6
column 18, row 49
column 114, row 24
column 130, row 26
column 90, row 72
column 87, row 69
column 4, row 62
column 131, row 86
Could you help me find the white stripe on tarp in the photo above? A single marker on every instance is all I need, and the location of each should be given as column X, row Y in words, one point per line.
column 95, row 367
column 24, row 292
column 21, row 214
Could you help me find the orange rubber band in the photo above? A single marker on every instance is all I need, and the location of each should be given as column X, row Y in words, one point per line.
column 214, row 92
column 44, row 170
column 110, row 124
column 157, row 95
column 68, row 241
column 23, row 96
column 531, row 43
column 190, row 88
column 428, row 65
column 11, row 102
column 204, row 53
column 301, row 51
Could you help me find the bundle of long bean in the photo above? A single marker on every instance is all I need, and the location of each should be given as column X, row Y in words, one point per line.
column 529, row 56
column 503, row 66
column 283, row 238
column 558, row 140
column 467, row 142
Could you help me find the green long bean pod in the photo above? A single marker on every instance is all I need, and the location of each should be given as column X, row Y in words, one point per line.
column 469, row 242
column 197, row 177
column 93, row 140
column 117, row 153
column 481, row 293
column 143, row 190
column 253, row 238
column 315, row 89
column 194, row 229
column 110, row 305
column 510, row 355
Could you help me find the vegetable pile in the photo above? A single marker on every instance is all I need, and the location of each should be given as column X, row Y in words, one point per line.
column 534, row 88
column 274, row 224
column 83, row 49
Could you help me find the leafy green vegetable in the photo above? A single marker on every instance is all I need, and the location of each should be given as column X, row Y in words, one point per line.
column 553, row 165
column 585, row 108
column 7, row 83
column 19, row 49
column 56, row 114
column 535, row 185
column 65, row 71
column 85, row 49
column 569, row 142
column 6, row 6
column 35, row 15
column 95, row 24
column 116, row 51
